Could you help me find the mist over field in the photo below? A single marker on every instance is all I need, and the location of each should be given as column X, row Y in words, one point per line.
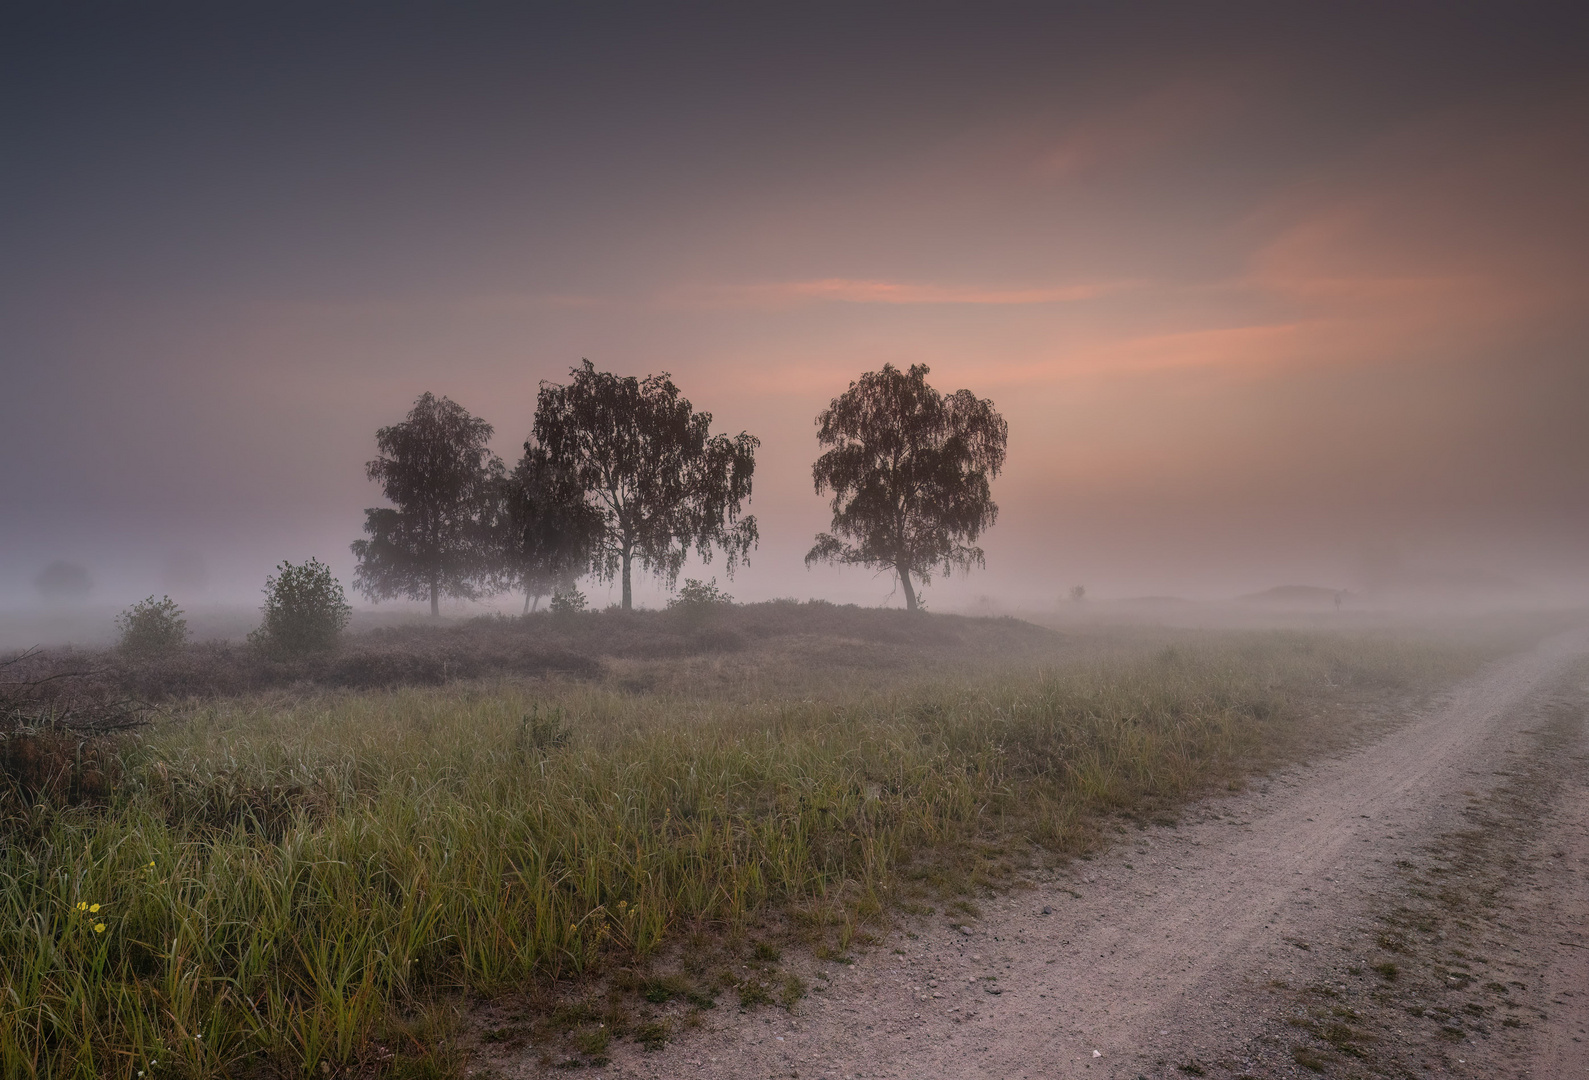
column 1268, row 297
column 859, row 540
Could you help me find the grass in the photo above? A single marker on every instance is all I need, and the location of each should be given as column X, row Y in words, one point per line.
column 284, row 881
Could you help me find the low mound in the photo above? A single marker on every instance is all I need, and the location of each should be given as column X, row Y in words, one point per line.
column 577, row 645
column 1293, row 596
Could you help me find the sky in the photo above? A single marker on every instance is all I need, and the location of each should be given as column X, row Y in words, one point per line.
column 1268, row 294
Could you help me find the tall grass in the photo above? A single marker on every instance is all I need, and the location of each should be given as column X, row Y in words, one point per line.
column 276, row 876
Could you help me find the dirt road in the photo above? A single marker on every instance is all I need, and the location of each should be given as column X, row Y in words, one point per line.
column 1348, row 918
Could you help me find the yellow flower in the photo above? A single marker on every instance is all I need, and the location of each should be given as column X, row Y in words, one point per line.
column 93, row 907
column 82, row 905
column 99, row 928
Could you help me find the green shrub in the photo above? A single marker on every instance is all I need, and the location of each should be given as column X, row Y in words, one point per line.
column 152, row 627
column 305, row 610
column 568, row 603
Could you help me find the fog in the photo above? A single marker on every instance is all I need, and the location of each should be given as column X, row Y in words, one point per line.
column 1267, row 298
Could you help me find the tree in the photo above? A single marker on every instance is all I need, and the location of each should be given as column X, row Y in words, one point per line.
column 549, row 532
column 305, row 610
column 64, row 580
column 909, row 470
column 152, row 627
column 649, row 465
column 436, row 467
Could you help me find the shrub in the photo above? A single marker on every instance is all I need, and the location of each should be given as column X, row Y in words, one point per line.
column 305, row 610
column 568, row 603
column 700, row 594
column 152, row 627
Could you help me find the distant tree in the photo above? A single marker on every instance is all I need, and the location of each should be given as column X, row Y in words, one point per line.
column 548, row 531
column 436, row 467
column 63, row 580
column 909, row 470
column 648, row 463
column 1078, row 593
column 305, row 610
column 152, row 627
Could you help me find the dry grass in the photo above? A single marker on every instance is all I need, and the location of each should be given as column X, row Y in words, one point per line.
column 284, row 879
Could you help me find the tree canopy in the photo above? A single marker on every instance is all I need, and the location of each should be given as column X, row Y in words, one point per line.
column 649, row 465
column 549, row 532
column 910, row 472
column 437, row 539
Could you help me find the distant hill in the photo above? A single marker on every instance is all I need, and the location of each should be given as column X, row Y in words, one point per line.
column 1293, row 596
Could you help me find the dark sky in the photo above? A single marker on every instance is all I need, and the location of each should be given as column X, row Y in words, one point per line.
column 1263, row 290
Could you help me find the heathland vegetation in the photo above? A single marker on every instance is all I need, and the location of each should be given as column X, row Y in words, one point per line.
column 310, row 880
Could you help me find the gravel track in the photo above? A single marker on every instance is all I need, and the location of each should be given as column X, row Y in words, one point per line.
column 1171, row 955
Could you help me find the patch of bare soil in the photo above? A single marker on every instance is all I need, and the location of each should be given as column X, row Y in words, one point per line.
column 1257, row 938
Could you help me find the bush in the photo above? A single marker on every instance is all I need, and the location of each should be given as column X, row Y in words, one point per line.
column 700, row 594
column 568, row 603
column 305, row 610
column 152, row 627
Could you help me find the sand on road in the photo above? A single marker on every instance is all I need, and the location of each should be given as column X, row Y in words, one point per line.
column 1167, row 955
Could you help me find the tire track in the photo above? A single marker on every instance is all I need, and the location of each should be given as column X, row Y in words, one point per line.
column 1161, row 955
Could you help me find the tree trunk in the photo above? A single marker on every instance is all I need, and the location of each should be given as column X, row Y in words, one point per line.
column 628, row 592
column 435, row 600
column 526, row 601
column 910, row 594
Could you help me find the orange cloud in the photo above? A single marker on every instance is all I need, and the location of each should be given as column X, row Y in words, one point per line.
column 1247, row 346
column 1226, row 346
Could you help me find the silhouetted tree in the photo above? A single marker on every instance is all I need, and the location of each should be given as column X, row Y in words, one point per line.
column 648, row 463
column 436, row 467
column 64, row 580
column 909, row 470
column 549, row 532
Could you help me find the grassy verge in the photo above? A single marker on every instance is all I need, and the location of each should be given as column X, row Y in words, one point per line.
column 278, row 879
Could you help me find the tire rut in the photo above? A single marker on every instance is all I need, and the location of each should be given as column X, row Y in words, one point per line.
column 1167, row 954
